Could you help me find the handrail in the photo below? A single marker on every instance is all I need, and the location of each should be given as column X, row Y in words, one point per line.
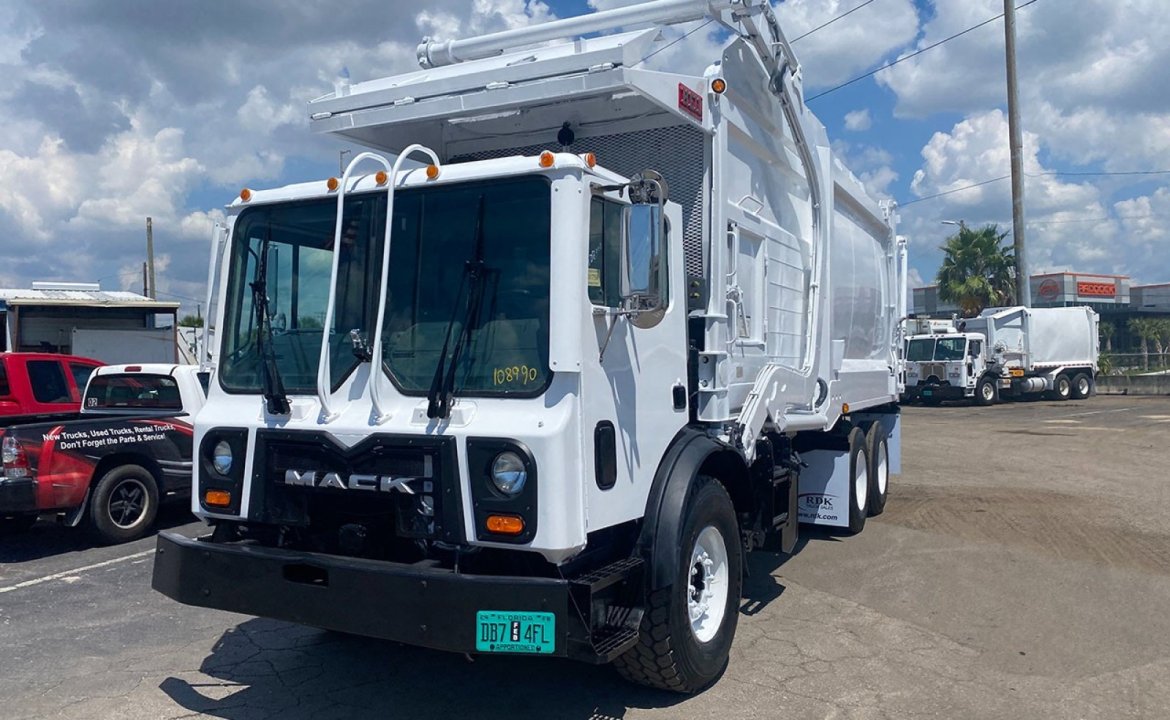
column 324, row 371
column 376, row 359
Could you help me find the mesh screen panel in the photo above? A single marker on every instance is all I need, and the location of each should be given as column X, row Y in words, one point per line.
column 676, row 152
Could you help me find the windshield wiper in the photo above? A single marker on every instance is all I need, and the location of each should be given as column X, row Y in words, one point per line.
column 441, row 394
column 274, row 396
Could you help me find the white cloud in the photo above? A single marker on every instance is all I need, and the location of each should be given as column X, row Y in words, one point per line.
column 858, row 120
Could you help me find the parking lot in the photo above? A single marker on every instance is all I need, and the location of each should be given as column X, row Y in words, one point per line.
column 1022, row 569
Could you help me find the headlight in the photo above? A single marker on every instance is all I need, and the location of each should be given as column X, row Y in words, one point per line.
column 221, row 459
column 508, row 473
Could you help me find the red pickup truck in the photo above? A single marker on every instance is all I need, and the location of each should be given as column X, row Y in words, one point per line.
column 41, row 386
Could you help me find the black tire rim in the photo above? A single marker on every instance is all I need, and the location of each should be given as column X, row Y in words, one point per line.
column 128, row 501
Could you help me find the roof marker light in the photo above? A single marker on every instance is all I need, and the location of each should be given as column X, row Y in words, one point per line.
column 381, row 177
column 432, row 172
column 547, row 159
column 245, row 194
column 590, row 159
column 332, row 184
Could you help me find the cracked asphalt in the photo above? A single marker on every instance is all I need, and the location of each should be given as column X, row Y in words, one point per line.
column 1021, row 570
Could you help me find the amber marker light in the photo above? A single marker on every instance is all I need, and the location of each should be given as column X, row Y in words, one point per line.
column 547, row 159
column 590, row 159
column 505, row 524
column 845, row 409
column 381, row 177
column 217, row 498
column 432, row 172
column 719, row 85
column 245, row 194
column 332, row 184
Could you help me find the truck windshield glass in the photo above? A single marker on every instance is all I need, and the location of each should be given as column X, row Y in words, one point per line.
column 920, row 350
column 434, row 234
column 132, row 392
column 437, row 233
column 950, row 349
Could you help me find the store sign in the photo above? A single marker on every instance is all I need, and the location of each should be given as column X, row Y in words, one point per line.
column 1048, row 289
column 1096, row 289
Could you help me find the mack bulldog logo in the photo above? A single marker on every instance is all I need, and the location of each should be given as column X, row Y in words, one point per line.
column 377, row 483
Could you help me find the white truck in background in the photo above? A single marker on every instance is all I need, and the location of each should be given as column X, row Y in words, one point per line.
column 1006, row 353
column 543, row 393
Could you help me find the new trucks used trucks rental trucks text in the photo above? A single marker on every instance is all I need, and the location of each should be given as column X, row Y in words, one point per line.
column 537, row 385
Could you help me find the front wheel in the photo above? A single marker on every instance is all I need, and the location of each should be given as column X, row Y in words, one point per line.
column 686, row 632
column 124, row 504
column 986, row 393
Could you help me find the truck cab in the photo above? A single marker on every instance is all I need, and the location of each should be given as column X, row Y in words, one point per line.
column 945, row 366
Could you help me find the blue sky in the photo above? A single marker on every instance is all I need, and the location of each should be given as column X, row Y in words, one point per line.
column 118, row 109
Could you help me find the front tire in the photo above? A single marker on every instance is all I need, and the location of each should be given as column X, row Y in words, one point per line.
column 686, row 632
column 986, row 393
column 124, row 504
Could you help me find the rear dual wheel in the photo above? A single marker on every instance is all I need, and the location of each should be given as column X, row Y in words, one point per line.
column 1082, row 386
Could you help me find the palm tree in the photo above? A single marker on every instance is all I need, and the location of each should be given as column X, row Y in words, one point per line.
column 1145, row 331
column 977, row 270
column 1106, row 330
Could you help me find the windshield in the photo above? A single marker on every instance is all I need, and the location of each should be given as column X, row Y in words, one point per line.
column 434, row 236
column 950, row 349
column 920, row 350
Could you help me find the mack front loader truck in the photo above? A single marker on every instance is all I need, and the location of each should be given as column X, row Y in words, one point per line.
column 540, row 368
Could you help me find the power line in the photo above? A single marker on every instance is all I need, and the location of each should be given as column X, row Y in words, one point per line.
column 830, row 22
column 955, row 190
column 916, row 53
column 1096, row 219
column 680, row 39
column 1127, row 173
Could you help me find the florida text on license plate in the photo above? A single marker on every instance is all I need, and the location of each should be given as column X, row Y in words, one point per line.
column 515, row 632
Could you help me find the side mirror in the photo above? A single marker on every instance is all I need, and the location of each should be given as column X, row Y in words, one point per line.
column 644, row 288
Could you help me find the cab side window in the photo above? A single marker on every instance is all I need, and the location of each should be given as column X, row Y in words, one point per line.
column 48, row 381
column 605, row 236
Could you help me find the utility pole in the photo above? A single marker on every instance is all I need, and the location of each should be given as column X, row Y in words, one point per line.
column 150, row 260
column 1023, row 286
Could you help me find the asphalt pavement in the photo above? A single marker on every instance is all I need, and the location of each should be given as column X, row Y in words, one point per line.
column 1021, row 570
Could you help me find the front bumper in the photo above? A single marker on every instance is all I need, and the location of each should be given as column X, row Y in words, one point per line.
column 18, row 495
column 417, row 604
column 940, row 392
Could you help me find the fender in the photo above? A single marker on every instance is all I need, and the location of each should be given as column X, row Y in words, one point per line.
column 661, row 536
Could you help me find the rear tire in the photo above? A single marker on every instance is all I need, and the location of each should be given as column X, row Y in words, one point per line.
column 1082, row 386
column 858, row 481
column 986, row 393
column 124, row 504
column 1062, row 387
column 686, row 632
column 878, row 449
column 13, row 524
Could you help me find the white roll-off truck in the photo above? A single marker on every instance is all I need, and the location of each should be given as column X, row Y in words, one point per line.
column 1006, row 353
column 542, row 393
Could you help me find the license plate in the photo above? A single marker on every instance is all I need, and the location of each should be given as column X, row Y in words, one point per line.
column 927, row 393
column 515, row 632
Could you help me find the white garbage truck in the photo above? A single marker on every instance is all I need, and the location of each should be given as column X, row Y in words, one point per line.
column 1006, row 353
column 542, row 390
